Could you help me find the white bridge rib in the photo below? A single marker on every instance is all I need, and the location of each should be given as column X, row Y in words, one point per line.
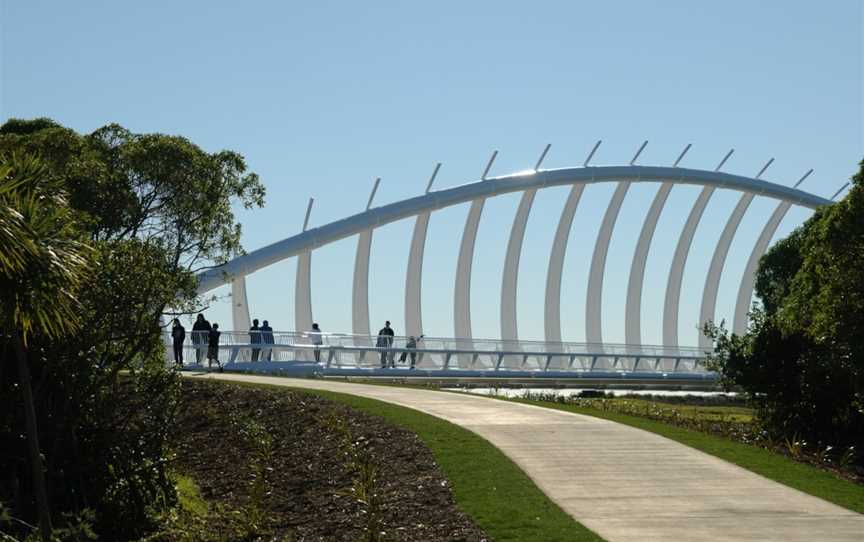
column 633, row 309
column 552, row 312
column 676, row 271
column 360, row 292
column 462, row 295
column 712, row 281
column 593, row 306
column 510, row 277
column 303, row 293
column 239, row 304
column 414, row 277
column 745, row 290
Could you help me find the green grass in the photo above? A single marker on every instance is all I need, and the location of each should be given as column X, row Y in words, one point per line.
column 189, row 495
column 710, row 413
column 774, row 466
column 486, row 484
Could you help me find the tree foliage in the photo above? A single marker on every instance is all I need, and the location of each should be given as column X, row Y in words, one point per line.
column 43, row 260
column 802, row 359
column 154, row 209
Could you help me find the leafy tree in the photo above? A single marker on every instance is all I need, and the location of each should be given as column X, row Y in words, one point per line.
column 42, row 265
column 157, row 209
column 802, row 359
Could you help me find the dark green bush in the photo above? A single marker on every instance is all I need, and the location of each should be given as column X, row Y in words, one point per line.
column 802, row 360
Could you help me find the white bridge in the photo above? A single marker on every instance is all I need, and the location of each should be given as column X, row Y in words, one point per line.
column 464, row 352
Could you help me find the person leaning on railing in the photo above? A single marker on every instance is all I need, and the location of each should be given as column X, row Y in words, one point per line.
column 411, row 344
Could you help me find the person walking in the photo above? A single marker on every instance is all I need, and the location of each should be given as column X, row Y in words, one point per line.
column 385, row 342
column 178, row 335
column 317, row 341
column 213, row 346
column 255, row 338
column 200, row 330
column 410, row 347
column 267, row 338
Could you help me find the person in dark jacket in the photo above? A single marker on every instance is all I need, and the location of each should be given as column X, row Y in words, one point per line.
column 410, row 345
column 213, row 346
column 385, row 341
column 267, row 338
column 178, row 335
column 255, row 338
column 200, row 330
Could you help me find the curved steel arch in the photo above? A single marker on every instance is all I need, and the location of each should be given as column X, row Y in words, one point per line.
column 718, row 260
column 414, row 276
column 676, row 271
column 303, row 293
column 633, row 309
column 364, row 223
column 552, row 308
column 510, row 275
column 462, row 291
column 360, row 290
column 745, row 290
column 346, row 227
column 593, row 305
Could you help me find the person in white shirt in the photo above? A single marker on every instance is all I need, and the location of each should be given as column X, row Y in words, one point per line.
column 317, row 340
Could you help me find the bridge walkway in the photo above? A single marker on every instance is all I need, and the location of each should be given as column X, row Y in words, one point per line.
column 623, row 483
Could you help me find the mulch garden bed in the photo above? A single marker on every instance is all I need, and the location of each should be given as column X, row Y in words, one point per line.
column 276, row 464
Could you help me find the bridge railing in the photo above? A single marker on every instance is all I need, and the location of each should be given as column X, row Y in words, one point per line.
column 349, row 351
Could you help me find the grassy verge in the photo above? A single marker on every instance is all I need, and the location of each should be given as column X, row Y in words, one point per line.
column 486, row 484
column 189, row 495
column 704, row 412
column 806, row 478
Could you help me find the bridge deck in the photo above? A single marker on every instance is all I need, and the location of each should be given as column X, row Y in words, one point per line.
column 357, row 355
column 621, row 482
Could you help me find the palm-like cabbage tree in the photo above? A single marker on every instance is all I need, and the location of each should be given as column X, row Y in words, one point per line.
column 42, row 264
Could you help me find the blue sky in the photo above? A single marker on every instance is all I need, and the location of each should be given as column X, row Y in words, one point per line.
column 322, row 97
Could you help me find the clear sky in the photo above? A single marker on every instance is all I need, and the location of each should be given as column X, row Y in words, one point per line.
column 322, row 97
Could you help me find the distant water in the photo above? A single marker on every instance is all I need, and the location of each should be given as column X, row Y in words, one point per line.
column 521, row 392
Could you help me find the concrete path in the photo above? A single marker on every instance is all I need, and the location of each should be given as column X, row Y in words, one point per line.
column 623, row 483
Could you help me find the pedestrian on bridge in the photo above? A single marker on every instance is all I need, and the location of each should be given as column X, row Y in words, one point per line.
column 200, row 333
column 410, row 345
column 255, row 338
column 385, row 342
column 213, row 347
column 267, row 338
column 317, row 341
column 178, row 335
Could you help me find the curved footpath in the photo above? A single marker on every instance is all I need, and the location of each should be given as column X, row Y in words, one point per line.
column 621, row 482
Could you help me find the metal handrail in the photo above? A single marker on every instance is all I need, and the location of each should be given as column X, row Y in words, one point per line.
column 245, row 338
column 346, row 350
